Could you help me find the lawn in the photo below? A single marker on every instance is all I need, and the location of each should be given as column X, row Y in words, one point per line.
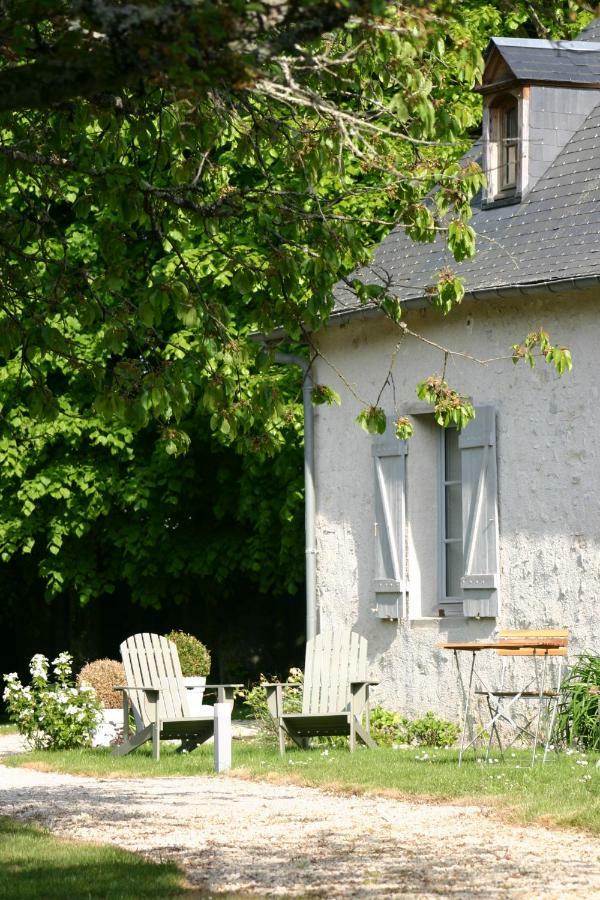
column 565, row 792
column 34, row 864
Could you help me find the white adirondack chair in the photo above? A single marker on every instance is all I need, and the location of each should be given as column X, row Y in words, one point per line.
column 158, row 697
column 335, row 698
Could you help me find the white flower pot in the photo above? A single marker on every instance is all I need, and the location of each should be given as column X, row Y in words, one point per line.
column 195, row 694
column 109, row 729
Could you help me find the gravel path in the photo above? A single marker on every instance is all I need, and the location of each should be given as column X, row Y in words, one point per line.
column 232, row 835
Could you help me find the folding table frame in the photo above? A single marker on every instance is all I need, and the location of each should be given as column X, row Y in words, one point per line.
column 539, row 644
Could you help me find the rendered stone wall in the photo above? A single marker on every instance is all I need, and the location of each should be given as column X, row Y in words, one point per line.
column 549, row 479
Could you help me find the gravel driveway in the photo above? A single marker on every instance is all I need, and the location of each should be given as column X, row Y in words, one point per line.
column 232, row 835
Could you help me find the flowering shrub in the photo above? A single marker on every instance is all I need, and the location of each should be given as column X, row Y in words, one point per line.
column 55, row 716
column 256, row 699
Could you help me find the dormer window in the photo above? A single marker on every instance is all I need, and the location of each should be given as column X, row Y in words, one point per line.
column 503, row 148
column 507, row 125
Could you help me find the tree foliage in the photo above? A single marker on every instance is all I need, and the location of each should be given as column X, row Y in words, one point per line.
column 173, row 177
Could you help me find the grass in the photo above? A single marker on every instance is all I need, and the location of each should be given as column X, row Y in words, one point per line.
column 34, row 864
column 565, row 792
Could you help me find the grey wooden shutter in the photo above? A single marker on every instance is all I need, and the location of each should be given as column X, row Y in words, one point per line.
column 389, row 457
column 480, row 581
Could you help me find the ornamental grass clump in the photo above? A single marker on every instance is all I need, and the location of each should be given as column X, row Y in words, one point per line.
column 193, row 655
column 52, row 716
column 104, row 675
column 578, row 720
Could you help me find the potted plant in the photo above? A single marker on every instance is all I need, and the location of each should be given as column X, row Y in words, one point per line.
column 195, row 666
column 103, row 675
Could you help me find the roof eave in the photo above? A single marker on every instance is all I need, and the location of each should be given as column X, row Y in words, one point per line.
column 508, row 291
column 507, row 83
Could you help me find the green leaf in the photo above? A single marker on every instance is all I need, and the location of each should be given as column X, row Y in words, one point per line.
column 372, row 419
column 321, row 394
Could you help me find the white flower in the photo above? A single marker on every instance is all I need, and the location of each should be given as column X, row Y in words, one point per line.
column 71, row 710
column 582, row 762
column 63, row 659
column 39, row 666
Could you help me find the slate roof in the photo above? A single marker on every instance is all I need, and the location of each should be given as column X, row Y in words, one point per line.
column 573, row 62
column 552, row 236
column 591, row 32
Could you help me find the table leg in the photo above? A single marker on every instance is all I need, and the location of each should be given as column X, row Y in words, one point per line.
column 467, row 703
column 540, row 702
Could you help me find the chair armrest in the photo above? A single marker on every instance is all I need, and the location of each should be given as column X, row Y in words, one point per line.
column 225, row 692
column 136, row 687
column 356, row 685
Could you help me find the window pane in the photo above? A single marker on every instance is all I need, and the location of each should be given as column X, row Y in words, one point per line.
column 454, row 569
column 454, row 511
column 452, row 455
column 509, row 147
column 510, row 123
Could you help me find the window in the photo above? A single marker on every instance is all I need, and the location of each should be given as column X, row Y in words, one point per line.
column 505, row 124
column 508, row 127
column 435, row 517
column 452, row 529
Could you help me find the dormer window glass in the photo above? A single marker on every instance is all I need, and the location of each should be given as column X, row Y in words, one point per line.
column 509, row 148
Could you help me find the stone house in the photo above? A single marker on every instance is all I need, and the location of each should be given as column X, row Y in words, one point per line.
column 451, row 536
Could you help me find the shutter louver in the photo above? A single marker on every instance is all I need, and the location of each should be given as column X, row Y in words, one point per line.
column 389, row 457
column 480, row 582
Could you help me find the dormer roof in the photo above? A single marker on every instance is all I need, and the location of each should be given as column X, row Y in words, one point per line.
column 525, row 61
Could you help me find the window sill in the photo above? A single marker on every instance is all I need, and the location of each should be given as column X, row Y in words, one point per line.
column 510, row 200
column 447, row 620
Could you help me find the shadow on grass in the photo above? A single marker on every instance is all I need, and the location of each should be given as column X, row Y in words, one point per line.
column 35, row 864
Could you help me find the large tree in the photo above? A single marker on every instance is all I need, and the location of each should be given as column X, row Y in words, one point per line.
column 175, row 176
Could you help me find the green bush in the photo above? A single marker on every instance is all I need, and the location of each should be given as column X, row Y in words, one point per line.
column 388, row 728
column 256, row 699
column 578, row 721
column 433, row 732
column 193, row 655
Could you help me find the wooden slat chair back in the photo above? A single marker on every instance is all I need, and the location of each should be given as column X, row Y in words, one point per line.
column 151, row 660
column 532, row 634
column 336, row 692
column 333, row 660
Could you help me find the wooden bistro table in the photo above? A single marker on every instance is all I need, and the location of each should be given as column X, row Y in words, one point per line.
column 520, row 646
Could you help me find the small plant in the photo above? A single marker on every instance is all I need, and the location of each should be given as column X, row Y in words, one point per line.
column 193, row 655
column 256, row 699
column 433, row 732
column 57, row 716
column 104, row 675
column 578, row 719
column 389, row 727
